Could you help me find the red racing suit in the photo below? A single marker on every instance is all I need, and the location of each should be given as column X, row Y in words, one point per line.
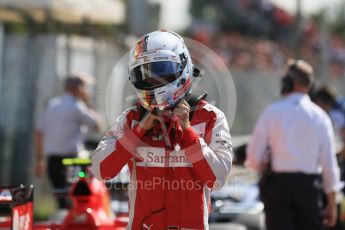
column 169, row 187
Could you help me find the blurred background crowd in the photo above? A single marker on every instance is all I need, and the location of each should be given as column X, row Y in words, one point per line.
column 42, row 41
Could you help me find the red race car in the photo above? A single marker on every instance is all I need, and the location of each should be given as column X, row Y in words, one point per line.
column 90, row 199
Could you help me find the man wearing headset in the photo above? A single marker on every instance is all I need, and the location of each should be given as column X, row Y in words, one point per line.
column 293, row 147
column 177, row 151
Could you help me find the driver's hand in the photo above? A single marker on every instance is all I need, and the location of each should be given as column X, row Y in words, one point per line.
column 182, row 111
column 149, row 121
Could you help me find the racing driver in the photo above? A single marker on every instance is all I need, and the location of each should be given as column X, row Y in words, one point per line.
column 177, row 149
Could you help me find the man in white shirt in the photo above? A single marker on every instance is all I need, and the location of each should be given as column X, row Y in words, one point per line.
column 293, row 147
column 59, row 132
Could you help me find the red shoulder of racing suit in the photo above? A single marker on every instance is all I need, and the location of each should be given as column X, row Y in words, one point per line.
column 169, row 187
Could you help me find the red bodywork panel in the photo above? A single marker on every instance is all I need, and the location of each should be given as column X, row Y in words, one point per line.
column 16, row 208
column 91, row 209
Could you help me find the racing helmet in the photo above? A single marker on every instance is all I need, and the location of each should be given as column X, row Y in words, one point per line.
column 160, row 68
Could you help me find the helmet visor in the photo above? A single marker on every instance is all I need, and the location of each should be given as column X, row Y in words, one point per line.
column 155, row 74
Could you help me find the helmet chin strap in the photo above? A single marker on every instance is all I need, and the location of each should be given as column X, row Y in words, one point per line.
column 192, row 100
column 160, row 113
column 164, row 128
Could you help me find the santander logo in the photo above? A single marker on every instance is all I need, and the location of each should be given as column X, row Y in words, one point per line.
column 155, row 157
